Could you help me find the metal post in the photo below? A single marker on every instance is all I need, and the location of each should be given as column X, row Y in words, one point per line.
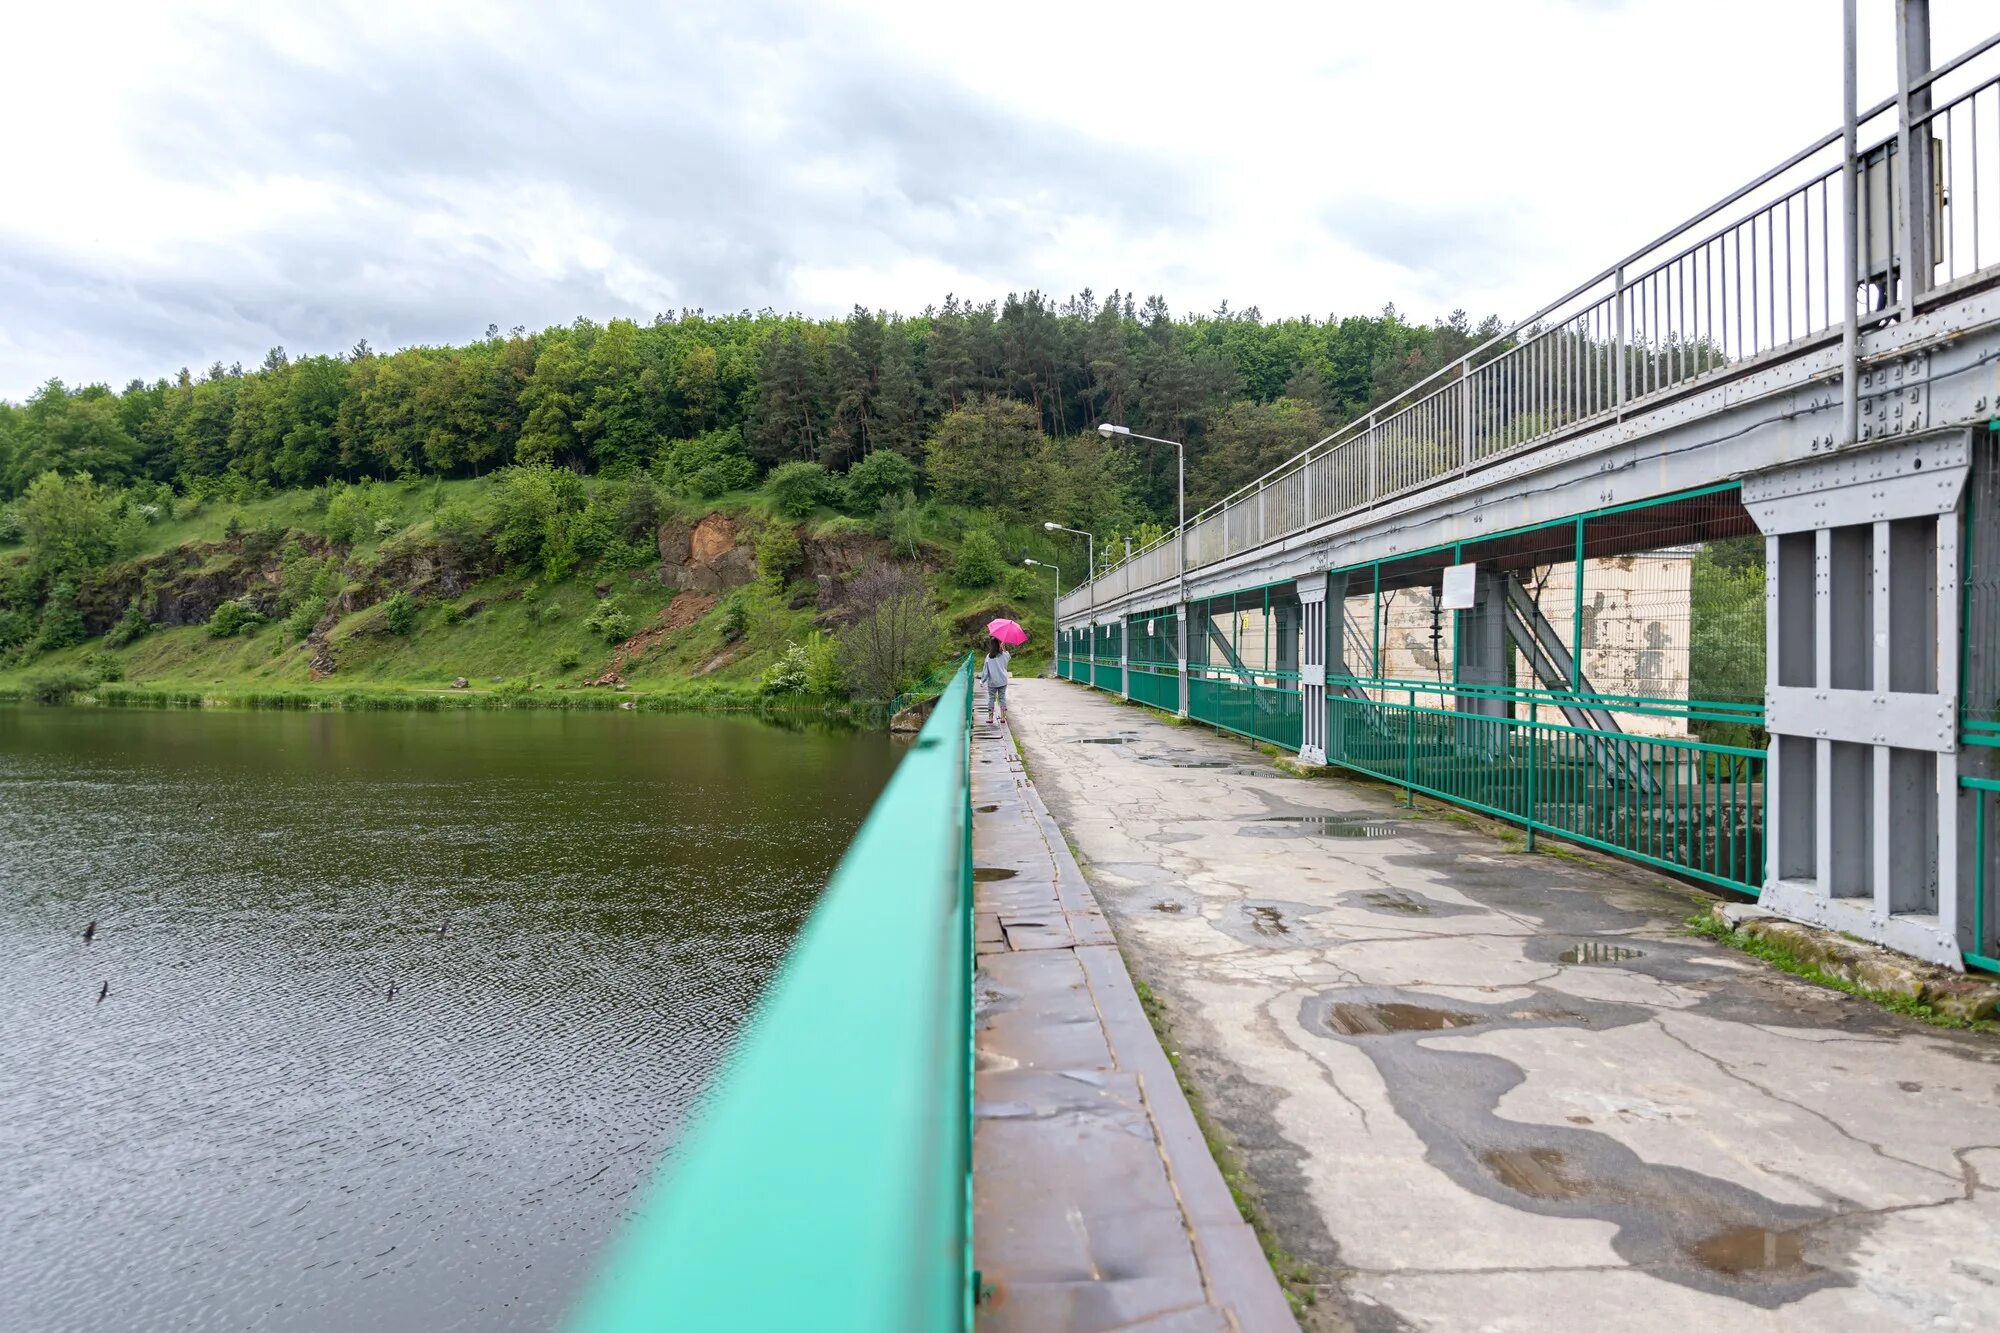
column 1850, row 244
column 1913, row 147
column 1618, row 341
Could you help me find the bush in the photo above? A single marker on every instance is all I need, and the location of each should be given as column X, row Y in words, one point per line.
column 353, row 512
column 835, row 528
column 735, row 619
column 568, row 660
column 399, row 614
column 798, row 488
column 824, row 679
column 900, row 521
column 894, row 637
column 16, row 628
column 62, row 623
column 57, row 684
column 233, row 618
column 709, row 465
column 103, row 666
column 299, row 624
column 880, row 475
column 779, row 554
column 978, row 564
column 610, row 621
column 1022, row 586
column 787, row 675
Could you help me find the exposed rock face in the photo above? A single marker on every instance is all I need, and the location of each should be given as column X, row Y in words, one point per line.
column 705, row 557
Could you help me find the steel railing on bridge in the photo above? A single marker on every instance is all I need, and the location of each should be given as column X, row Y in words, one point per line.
column 825, row 1182
column 1700, row 302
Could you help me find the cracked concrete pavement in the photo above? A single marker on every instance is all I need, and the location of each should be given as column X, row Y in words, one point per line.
column 1482, row 1089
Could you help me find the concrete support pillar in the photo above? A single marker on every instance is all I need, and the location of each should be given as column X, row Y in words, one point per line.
column 1181, row 611
column 1313, row 607
column 1861, row 691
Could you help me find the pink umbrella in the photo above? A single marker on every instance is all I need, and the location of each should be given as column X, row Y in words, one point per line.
column 1008, row 632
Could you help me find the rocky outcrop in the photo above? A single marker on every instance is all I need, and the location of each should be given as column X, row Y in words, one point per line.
column 705, row 557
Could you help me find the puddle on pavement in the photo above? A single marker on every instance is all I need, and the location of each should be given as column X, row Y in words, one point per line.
column 1536, row 1172
column 1268, row 921
column 985, row 809
column 986, row 874
column 1168, row 907
column 1337, row 826
column 1104, row 740
column 1374, row 1020
column 1750, row 1251
column 1597, row 955
column 1396, row 902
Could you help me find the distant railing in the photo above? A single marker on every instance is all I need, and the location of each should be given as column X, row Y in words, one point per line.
column 825, row 1182
column 1697, row 302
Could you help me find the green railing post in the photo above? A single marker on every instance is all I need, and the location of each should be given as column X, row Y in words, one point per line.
column 1534, row 764
column 1410, row 754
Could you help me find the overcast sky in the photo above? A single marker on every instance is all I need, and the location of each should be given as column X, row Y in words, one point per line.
column 193, row 182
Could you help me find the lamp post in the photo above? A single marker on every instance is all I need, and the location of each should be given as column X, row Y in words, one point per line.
column 1055, row 612
column 1090, row 544
column 1108, row 430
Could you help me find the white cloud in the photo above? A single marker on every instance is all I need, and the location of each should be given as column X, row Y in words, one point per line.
column 195, row 183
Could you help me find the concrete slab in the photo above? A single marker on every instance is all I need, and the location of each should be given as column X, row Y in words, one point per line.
column 1096, row 1203
column 1481, row 1089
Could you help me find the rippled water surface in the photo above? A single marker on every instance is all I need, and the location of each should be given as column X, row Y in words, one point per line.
column 251, row 1131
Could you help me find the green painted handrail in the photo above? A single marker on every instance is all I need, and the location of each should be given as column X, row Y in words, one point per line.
column 825, row 1181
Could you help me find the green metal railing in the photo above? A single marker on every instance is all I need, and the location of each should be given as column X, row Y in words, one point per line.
column 1273, row 713
column 1161, row 688
column 825, row 1182
column 1691, row 806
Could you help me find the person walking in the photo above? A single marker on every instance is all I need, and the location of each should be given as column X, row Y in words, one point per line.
column 994, row 672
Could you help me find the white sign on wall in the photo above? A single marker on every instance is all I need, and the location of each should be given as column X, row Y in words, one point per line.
column 1460, row 587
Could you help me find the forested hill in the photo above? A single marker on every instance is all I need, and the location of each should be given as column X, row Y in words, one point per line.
column 758, row 503
column 699, row 400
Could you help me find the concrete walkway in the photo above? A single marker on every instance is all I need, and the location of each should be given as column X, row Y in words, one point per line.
column 1486, row 1090
column 1097, row 1205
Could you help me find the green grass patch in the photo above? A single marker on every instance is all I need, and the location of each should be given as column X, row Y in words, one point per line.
column 1782, row 957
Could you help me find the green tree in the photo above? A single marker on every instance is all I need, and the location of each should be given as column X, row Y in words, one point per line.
column 72, row 525
column 990, row 453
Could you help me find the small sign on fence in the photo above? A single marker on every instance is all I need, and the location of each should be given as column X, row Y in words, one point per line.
column 1461, row 587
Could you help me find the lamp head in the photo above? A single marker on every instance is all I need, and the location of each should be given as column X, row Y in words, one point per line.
column 1107, row 430
column 1051, row 527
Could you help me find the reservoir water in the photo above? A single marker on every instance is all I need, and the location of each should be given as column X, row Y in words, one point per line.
column 403, row 1009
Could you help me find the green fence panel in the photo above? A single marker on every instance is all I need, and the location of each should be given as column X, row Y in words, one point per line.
column 1272, row 715
column 1688, row 805
column 825, row 1182
column 1160, row 689
column 1105, row 675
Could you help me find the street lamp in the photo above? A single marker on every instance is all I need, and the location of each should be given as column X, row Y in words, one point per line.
column 1090, row 541
column 1055, row 611
column 1108, row 430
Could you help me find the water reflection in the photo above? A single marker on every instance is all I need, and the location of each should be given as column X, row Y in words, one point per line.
column 252, row 1128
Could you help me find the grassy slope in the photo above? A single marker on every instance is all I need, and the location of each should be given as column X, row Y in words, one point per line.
column 522, row 627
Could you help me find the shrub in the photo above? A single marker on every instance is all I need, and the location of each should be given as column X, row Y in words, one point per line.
column 880, row 475
column 399, row 614
column 610, row 621
column 353, row 512
column 835, row 528
column 978, row 564
column 798, row 488
column 568, row 660
column 900, row 521
column 1022, row 587
column 103, row 666
column 894, row 636
column 233, row 618
column 299, row 624
column 62, row 623
column 16, row 628
column 787, row 675
column 709, row 465
column 57, row 684
column 735, row 619
column 779, row 554
column 824, row 677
